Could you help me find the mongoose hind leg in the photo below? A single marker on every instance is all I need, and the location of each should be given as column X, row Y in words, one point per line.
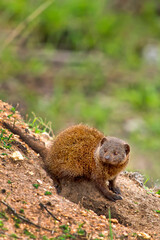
column 101, row 185
column 113, row 187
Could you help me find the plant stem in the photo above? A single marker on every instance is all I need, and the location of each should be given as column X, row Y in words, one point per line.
column 25, row 22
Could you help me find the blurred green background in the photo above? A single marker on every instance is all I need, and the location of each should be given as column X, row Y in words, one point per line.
column 96, row 62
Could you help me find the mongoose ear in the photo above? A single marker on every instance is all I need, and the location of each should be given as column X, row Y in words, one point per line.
column 127, row 148
column 103, row 141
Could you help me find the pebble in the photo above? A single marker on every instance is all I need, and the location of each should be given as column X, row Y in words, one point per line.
column 113, row 220
column 39, row 181
column 125, row 234
column 144, row 235
column 17, row 156
column 103, row 217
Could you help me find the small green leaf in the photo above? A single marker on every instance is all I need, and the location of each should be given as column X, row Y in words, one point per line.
column 1, row 224
column 21, row 210
column 47, row 193
column 10, row 115
column 158, row 192
column 65, row 228
column 13, row 235
column 36, row 185
column 31, row 235
column 157, row 211
column 45, row 238
column 3, row 215
column 81, row 232
column 13, row 109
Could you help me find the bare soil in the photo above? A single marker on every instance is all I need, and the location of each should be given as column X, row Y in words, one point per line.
column 27, row 193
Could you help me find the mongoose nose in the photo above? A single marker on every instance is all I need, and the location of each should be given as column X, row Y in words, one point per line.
column 107, row 157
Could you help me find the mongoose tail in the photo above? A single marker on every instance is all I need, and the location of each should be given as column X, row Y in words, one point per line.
column 37, row 146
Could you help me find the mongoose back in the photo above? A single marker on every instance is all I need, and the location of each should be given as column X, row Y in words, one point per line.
column 82, row 151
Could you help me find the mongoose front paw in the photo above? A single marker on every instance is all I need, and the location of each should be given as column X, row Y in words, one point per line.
column 115, row 189
column 114, row 197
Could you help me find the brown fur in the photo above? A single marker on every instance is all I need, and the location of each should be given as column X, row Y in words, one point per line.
column 81, row 151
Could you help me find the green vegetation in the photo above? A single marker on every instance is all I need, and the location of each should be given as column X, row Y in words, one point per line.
column 107, row 72
column 80, row 230
column 13, row 235
column 36, row 185
column 46, row 238
column 67, row 235
column 157, row 211
column 158, row 192
column 47, row 193
column 21, row 210
column 110, row 225
column 3, row 215
column 29, row 234
column 17, row 222
column 39, row 125
column 5, row 140
column 1, row 223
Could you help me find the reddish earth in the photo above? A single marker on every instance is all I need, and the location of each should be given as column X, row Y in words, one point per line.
column 78, row 212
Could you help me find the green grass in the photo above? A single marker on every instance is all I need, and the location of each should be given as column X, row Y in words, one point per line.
column 5, row 140
column 39, row 125
column 110, row 225
column 3, row 215
column 14, row 236
column 29, row 234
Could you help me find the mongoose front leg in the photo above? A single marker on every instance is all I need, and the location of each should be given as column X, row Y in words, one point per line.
column 113, row 187
column 102, row 186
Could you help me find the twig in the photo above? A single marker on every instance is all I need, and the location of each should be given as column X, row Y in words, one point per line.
column 23, row 24
column 23, row 218
column 43, row 206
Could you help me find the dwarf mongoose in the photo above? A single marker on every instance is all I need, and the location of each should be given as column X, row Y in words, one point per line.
column 82, row 151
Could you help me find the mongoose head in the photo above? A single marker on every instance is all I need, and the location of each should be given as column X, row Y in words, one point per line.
column 112, row 151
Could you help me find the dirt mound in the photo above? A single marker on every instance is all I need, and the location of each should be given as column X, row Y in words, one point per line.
column 30, row 207
column 137, row 209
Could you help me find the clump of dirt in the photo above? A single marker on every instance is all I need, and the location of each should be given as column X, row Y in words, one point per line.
column 30, row 207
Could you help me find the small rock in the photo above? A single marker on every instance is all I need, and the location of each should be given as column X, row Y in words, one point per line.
column 39, row 181
column 103, row 217
column 143, row 235
column 105, row 233
column 46, row 136
column 114, row 226
column 113, row 220
column 137, row 177
column 125, row 234
column 17, row 156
